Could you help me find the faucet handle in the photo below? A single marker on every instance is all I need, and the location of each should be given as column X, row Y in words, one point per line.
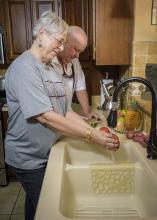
column 109, row 105
column 114, row 106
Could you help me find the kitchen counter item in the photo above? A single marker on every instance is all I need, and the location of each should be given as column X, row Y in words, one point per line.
column 107, row 88
column 129, row 120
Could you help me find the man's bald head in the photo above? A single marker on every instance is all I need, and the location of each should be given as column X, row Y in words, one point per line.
column 76, row 33
column 75, row 44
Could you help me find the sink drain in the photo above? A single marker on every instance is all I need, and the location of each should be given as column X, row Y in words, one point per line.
column 89, row 212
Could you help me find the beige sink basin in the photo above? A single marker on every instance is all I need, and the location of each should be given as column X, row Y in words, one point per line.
column 84, row 181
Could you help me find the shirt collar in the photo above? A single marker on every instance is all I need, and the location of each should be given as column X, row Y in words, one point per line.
column 58, row 66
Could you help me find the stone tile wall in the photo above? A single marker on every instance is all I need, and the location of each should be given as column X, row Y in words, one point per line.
column 143, row 53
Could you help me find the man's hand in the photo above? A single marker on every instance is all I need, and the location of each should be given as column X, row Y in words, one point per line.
column 90, row 116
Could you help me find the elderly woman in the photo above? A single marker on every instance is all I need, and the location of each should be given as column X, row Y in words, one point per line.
column 38, row 110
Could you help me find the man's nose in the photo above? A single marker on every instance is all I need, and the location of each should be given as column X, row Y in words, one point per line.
column 77, row 55
column 61, row 47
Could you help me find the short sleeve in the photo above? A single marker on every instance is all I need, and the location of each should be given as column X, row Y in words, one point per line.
column 30, row 92
column 80, row 83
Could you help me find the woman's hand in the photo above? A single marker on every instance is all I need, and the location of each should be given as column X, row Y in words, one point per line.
column 105, row 140
column 72, row 125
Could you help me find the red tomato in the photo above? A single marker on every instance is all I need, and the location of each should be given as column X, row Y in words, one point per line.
column 115, row 137
column 105, row 129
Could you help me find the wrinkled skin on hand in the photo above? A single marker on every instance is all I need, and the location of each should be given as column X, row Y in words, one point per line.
column 106, row 140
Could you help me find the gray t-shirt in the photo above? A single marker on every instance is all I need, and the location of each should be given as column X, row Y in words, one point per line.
column 32, row 89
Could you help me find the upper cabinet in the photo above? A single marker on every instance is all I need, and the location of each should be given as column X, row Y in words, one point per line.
column 20, row 17
column 17, row 27
column 113, row 34
column 39, row 6
column 78, row 12
column 109, row 27
column 108, row 24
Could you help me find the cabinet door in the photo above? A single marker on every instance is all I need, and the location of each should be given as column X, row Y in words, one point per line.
column 76, row 12
column 2, row 13
column 114, row 31
column 2, row 35
column 18, row 27
column 39, row 6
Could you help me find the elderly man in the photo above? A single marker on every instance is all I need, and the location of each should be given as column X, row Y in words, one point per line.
column 67, row 64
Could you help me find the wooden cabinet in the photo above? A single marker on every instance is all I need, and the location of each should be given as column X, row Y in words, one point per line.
column 18, row 27
column 109, row 27
column 39, row 6
column 113, row 31
column 2, row 18
column 4, row 119
column 108, row 24
column 77, row 12
column 18, row 19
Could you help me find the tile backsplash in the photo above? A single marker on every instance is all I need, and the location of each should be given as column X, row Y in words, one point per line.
column 143, row 52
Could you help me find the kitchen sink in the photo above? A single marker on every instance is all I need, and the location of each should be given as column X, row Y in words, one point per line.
column 82, row 153
column 85, row 181
column 131, row 196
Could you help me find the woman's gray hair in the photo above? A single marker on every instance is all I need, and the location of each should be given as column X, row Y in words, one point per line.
column 51, row 23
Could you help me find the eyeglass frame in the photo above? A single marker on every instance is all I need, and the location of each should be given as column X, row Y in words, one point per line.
column 60, row 42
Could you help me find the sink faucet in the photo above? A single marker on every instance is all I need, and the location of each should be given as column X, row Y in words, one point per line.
column 112, row 117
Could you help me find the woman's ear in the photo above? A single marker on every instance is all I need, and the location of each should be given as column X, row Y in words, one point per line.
column 41, row 30
column 40, row 34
